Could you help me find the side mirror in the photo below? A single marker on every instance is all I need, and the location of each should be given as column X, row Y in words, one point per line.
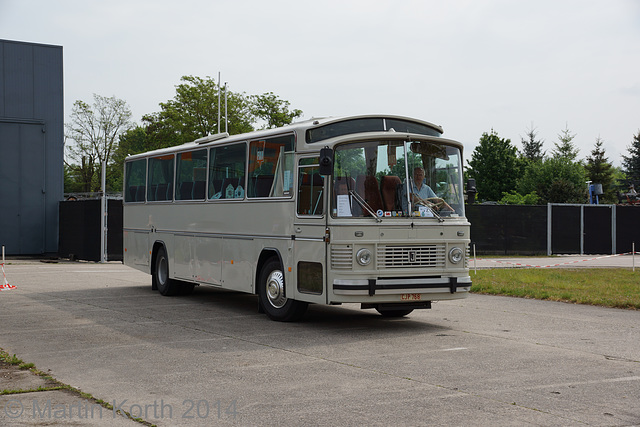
column 471, row 191
column 326, row 161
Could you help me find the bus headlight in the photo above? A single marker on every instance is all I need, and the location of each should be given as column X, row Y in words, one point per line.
column 363, row 257
column 456, row 255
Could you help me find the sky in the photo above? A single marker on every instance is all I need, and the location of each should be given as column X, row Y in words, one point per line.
column 471, row 66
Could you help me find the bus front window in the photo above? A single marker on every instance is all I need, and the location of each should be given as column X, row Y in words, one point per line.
column 397, row 179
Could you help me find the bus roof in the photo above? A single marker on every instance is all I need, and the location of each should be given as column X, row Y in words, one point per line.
column 314, row 130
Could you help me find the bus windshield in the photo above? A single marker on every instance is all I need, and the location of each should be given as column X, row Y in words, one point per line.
column 397, row 179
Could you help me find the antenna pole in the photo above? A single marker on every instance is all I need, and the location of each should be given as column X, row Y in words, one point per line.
column 226, row 112
column 218, row 102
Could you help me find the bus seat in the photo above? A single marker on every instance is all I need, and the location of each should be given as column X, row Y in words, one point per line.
column 388, row 188
column 132, row 193
column 343, row 184
column 170, row 191
column 304, row 199
column 225, row 183
column 372, row 193
column 199, row 190
column 214, row 186
column 360, row 185
column 152, row 193
column 140, row 193
column 186, row 189
column 263, row 185
column 161, row 192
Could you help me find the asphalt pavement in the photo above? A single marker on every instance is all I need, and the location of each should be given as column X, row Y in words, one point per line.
column 211, row 358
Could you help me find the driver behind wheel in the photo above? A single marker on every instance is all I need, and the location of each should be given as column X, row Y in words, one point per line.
column 418, row 188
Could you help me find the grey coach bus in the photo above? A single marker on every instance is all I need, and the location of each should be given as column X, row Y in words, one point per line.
column 360, row 209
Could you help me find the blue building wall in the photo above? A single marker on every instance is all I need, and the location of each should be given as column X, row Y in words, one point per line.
column 31, row 146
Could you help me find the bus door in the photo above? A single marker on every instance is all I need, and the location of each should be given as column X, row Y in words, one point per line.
column 309, row 232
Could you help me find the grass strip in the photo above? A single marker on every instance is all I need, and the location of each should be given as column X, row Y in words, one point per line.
column 607, row 287
column 8, row 360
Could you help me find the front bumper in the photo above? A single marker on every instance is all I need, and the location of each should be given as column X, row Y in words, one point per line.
column 404, row 285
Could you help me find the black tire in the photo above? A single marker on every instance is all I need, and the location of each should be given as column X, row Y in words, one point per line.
column 394, row 313
column 271, row 293
column 161, row 280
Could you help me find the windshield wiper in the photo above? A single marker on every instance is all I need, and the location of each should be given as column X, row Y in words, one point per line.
column 365, row 205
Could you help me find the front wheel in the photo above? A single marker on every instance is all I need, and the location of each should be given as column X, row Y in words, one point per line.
column 394, row 313
column 273, row 299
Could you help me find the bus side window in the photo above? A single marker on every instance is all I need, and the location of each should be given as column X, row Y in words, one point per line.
column 227, row 171
column 191, row 174
column 136, row 173
column 271, row 167
column 160, row 172
column 310, row 188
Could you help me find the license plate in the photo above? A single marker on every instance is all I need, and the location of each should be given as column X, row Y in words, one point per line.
column 411, row 297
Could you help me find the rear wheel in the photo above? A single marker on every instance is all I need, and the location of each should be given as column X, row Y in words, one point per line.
column 271, row 292
column 161, row 280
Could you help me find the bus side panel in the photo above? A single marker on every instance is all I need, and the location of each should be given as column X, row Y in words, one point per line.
column 208, row 259
column 136, row 253
column 240, row 256
column 182, row 257
column 309, row 250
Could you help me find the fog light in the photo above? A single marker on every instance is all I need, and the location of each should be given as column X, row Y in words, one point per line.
column 363, row 257
column 455, row 255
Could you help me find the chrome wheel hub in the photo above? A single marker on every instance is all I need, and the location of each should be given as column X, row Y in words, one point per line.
column 275, row 289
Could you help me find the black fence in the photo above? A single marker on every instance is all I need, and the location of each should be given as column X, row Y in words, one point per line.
column 495, row 229
column 575, row 229
column 80, row 230
column 508, row 229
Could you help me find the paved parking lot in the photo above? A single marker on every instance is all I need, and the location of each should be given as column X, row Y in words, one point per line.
column 210, row 358
column 559, row 261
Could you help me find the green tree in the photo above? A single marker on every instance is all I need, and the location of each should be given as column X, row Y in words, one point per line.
column 555, row 180
column 600, row 171
column 565, row 147
column 631, row 163
column 134, row 141
column 495, row 166
column 273, row 110
column 91, row 137
column 193, row 113
column 515, row 198
column 532, row 147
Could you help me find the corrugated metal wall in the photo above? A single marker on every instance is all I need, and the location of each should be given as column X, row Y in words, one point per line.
column 31, row 146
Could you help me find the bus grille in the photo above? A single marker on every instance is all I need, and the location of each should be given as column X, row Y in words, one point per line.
column 341, row 257
column 411, row 256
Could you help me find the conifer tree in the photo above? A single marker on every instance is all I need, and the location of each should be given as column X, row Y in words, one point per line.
column 532, row 148
column 565, row 148
column 600, row 171
column 631, row 163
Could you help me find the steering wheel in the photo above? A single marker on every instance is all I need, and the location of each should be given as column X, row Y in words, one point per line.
column 435, row 202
